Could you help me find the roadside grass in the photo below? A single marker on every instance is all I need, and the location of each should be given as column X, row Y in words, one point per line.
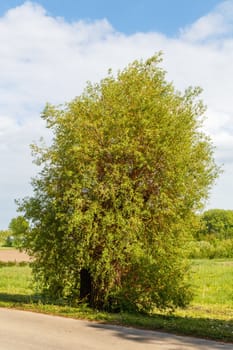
column 210, row 315
column 2, row 247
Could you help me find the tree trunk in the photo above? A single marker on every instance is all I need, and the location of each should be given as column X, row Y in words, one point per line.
column 86, row 286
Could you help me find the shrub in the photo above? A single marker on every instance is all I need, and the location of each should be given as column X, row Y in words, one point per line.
column 215, row 248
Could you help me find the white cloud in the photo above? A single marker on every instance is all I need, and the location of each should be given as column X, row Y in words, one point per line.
column 43, row 58
column 216, row 24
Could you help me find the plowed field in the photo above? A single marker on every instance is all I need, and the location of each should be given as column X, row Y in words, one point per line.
column 13, row 255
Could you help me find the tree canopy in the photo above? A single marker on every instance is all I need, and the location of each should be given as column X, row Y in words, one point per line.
column 18, row 228
column 217, row 222
column 113, row 204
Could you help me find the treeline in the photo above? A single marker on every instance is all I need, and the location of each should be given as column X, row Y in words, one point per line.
column 214, row 236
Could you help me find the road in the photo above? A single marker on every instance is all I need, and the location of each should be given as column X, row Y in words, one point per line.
column 31, row 331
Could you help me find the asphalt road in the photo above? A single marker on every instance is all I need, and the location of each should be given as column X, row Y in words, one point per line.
column 20, row 330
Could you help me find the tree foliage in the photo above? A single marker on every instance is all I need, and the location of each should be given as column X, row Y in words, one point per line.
column 18, row 228
column 218, row 223
column 114, row 201
column 3, row 237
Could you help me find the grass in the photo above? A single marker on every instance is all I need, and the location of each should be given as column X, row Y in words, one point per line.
column 15, row 279
column 210, row 315
column 6, row 248
column 213, row 282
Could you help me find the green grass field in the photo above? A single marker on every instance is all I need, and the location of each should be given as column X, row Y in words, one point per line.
column 213, row 282
column 16, row 280
column 210, row 315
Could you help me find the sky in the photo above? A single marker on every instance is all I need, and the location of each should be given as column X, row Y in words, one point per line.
column 49, row 49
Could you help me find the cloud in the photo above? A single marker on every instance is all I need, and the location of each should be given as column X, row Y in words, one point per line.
column 214, row 25
column 45, row 58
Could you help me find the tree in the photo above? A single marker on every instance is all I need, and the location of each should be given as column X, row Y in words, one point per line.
column 4, row 234
column 217, row 222
column 18, row 228
column 113, row 204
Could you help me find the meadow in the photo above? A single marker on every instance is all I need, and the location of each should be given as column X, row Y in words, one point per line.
column 210, row 315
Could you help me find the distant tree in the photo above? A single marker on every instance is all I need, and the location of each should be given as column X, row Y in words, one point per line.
column 114, row 202
column 3, row 237
column 18, row 228
column 217, row 222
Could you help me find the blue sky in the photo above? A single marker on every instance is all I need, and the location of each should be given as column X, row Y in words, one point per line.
column 128, row 16
column 49, row 49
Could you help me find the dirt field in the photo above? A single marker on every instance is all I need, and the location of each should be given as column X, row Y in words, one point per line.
column 13, row 255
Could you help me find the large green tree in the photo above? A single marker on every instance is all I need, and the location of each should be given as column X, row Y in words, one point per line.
column 114, row 202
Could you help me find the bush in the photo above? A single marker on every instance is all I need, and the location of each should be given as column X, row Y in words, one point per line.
column 9, row 241
column 153, row 284
column 215, row 248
